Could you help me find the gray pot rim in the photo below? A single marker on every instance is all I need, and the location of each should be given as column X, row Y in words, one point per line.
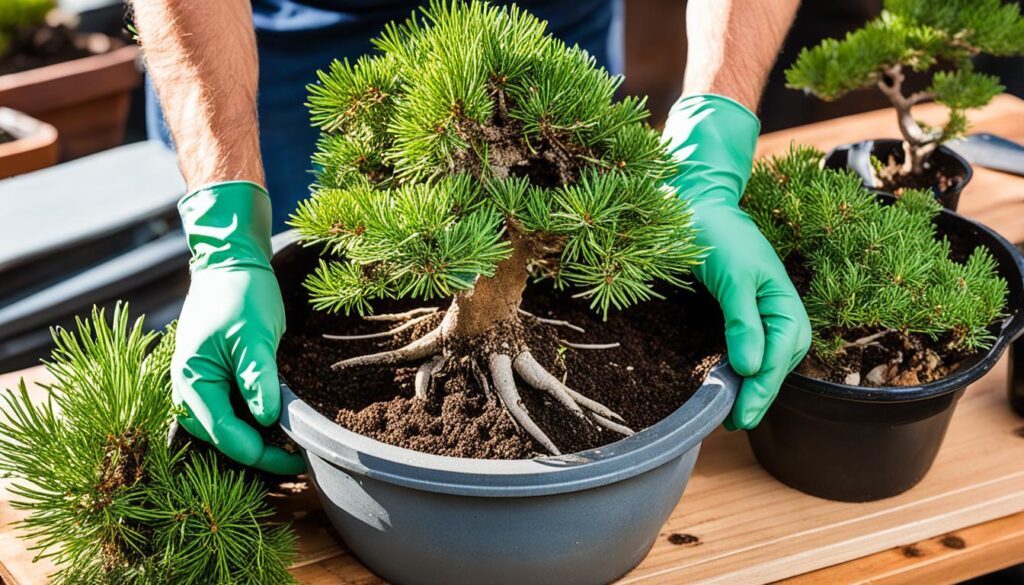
column 667, row 439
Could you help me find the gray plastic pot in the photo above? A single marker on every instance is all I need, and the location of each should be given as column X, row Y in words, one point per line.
column 420, row 519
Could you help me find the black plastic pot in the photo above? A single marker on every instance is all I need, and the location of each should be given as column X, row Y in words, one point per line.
column 857, row 158
column 859, row 444
column 414, row 518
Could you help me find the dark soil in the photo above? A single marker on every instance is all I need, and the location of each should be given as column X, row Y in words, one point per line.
column 48, row 45
column 667, row 348
column 680, row 539
column 5, row 137
column 942, row 173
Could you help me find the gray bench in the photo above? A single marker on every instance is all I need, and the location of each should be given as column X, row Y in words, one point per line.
column 87, row 232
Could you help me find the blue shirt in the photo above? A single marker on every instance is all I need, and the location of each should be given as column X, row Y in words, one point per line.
column 295, row 38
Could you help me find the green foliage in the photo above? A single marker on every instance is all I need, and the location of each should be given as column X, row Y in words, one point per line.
column 872, row 267
column 920, row 35
column 15, row 14
column 109, row 501
column 471, row 123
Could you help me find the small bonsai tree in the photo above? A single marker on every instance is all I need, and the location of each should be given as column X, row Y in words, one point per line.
column 473, row 152
column 887, row 303
column 918, row 35
column 110, row 502
column 18, row 14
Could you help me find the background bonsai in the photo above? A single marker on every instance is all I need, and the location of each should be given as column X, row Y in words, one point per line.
column 888, row 304
column 110, row 502
column 473, row 152
column 918, row 35
column 20, row 14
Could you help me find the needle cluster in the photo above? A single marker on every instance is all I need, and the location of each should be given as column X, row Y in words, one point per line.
column 109, row 501
column 471, row 123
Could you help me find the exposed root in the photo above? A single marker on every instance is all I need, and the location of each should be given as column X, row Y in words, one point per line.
column 594, row 406
column 504, row 384
column 403, row 315
column 554, row 322
column 380, row 334
column 423, row 347
column 612, row 345
column 612, row 425
column 425, row 375
column 535, row 375
column 868, row 339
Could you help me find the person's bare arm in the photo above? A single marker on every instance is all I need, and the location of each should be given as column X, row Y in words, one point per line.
column 732, row 45
column 201, row 57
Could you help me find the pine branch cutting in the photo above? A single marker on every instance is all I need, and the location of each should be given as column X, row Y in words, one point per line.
column 936, row 37
column 472, row 153
column 109, row 501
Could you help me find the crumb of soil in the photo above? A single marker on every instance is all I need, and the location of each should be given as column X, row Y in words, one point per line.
column 667, row 348
column 5, row 137
column 954, row 542
column 912, row 552
column 680, row 539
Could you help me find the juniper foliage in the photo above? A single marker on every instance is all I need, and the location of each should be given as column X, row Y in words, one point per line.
column 872, row 267
column 471, row 122
column 17, row 14
column 920, row 35
column 109, row 501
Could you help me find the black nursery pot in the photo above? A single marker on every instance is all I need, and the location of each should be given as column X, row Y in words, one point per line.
column 858, row 444
column 856, row 157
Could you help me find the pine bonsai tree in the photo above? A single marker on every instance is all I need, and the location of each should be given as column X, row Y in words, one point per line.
column 110, row 502
column 887, row 304
column 473, row 152
column 919, row 35
column 17, row 14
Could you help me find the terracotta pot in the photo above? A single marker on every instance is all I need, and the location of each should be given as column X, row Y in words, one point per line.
column 34, row 146
column 86, row 99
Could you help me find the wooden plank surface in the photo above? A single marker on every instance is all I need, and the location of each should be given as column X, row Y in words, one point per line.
column 753, row 529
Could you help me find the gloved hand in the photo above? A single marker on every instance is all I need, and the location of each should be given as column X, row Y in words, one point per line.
column 767, row 332
column 231, row 324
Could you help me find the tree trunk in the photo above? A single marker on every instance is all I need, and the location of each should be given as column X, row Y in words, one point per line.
column 494, row 299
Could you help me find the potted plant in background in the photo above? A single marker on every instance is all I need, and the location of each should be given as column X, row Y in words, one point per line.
column 908, row 303
column 939, row 37
column 26, row 144
column 109, row 500
column 80, row 83
column 473, row 153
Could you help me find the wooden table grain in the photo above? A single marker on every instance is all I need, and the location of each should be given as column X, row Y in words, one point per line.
column 966, row 518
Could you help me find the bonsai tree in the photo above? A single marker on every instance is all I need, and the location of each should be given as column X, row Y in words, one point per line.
column 887, row 303
column 473, row 152
column 917, row 35
column 110, row 502
column 18, row 14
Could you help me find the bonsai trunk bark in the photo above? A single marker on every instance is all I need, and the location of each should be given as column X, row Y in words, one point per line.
column 494, row 299
column 917, row 144
column 490, row 315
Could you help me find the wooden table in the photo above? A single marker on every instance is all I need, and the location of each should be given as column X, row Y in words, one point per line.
column 965, row 519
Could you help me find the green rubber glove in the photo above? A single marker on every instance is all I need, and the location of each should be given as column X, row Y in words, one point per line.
column 767, row 332
column 231, row 324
